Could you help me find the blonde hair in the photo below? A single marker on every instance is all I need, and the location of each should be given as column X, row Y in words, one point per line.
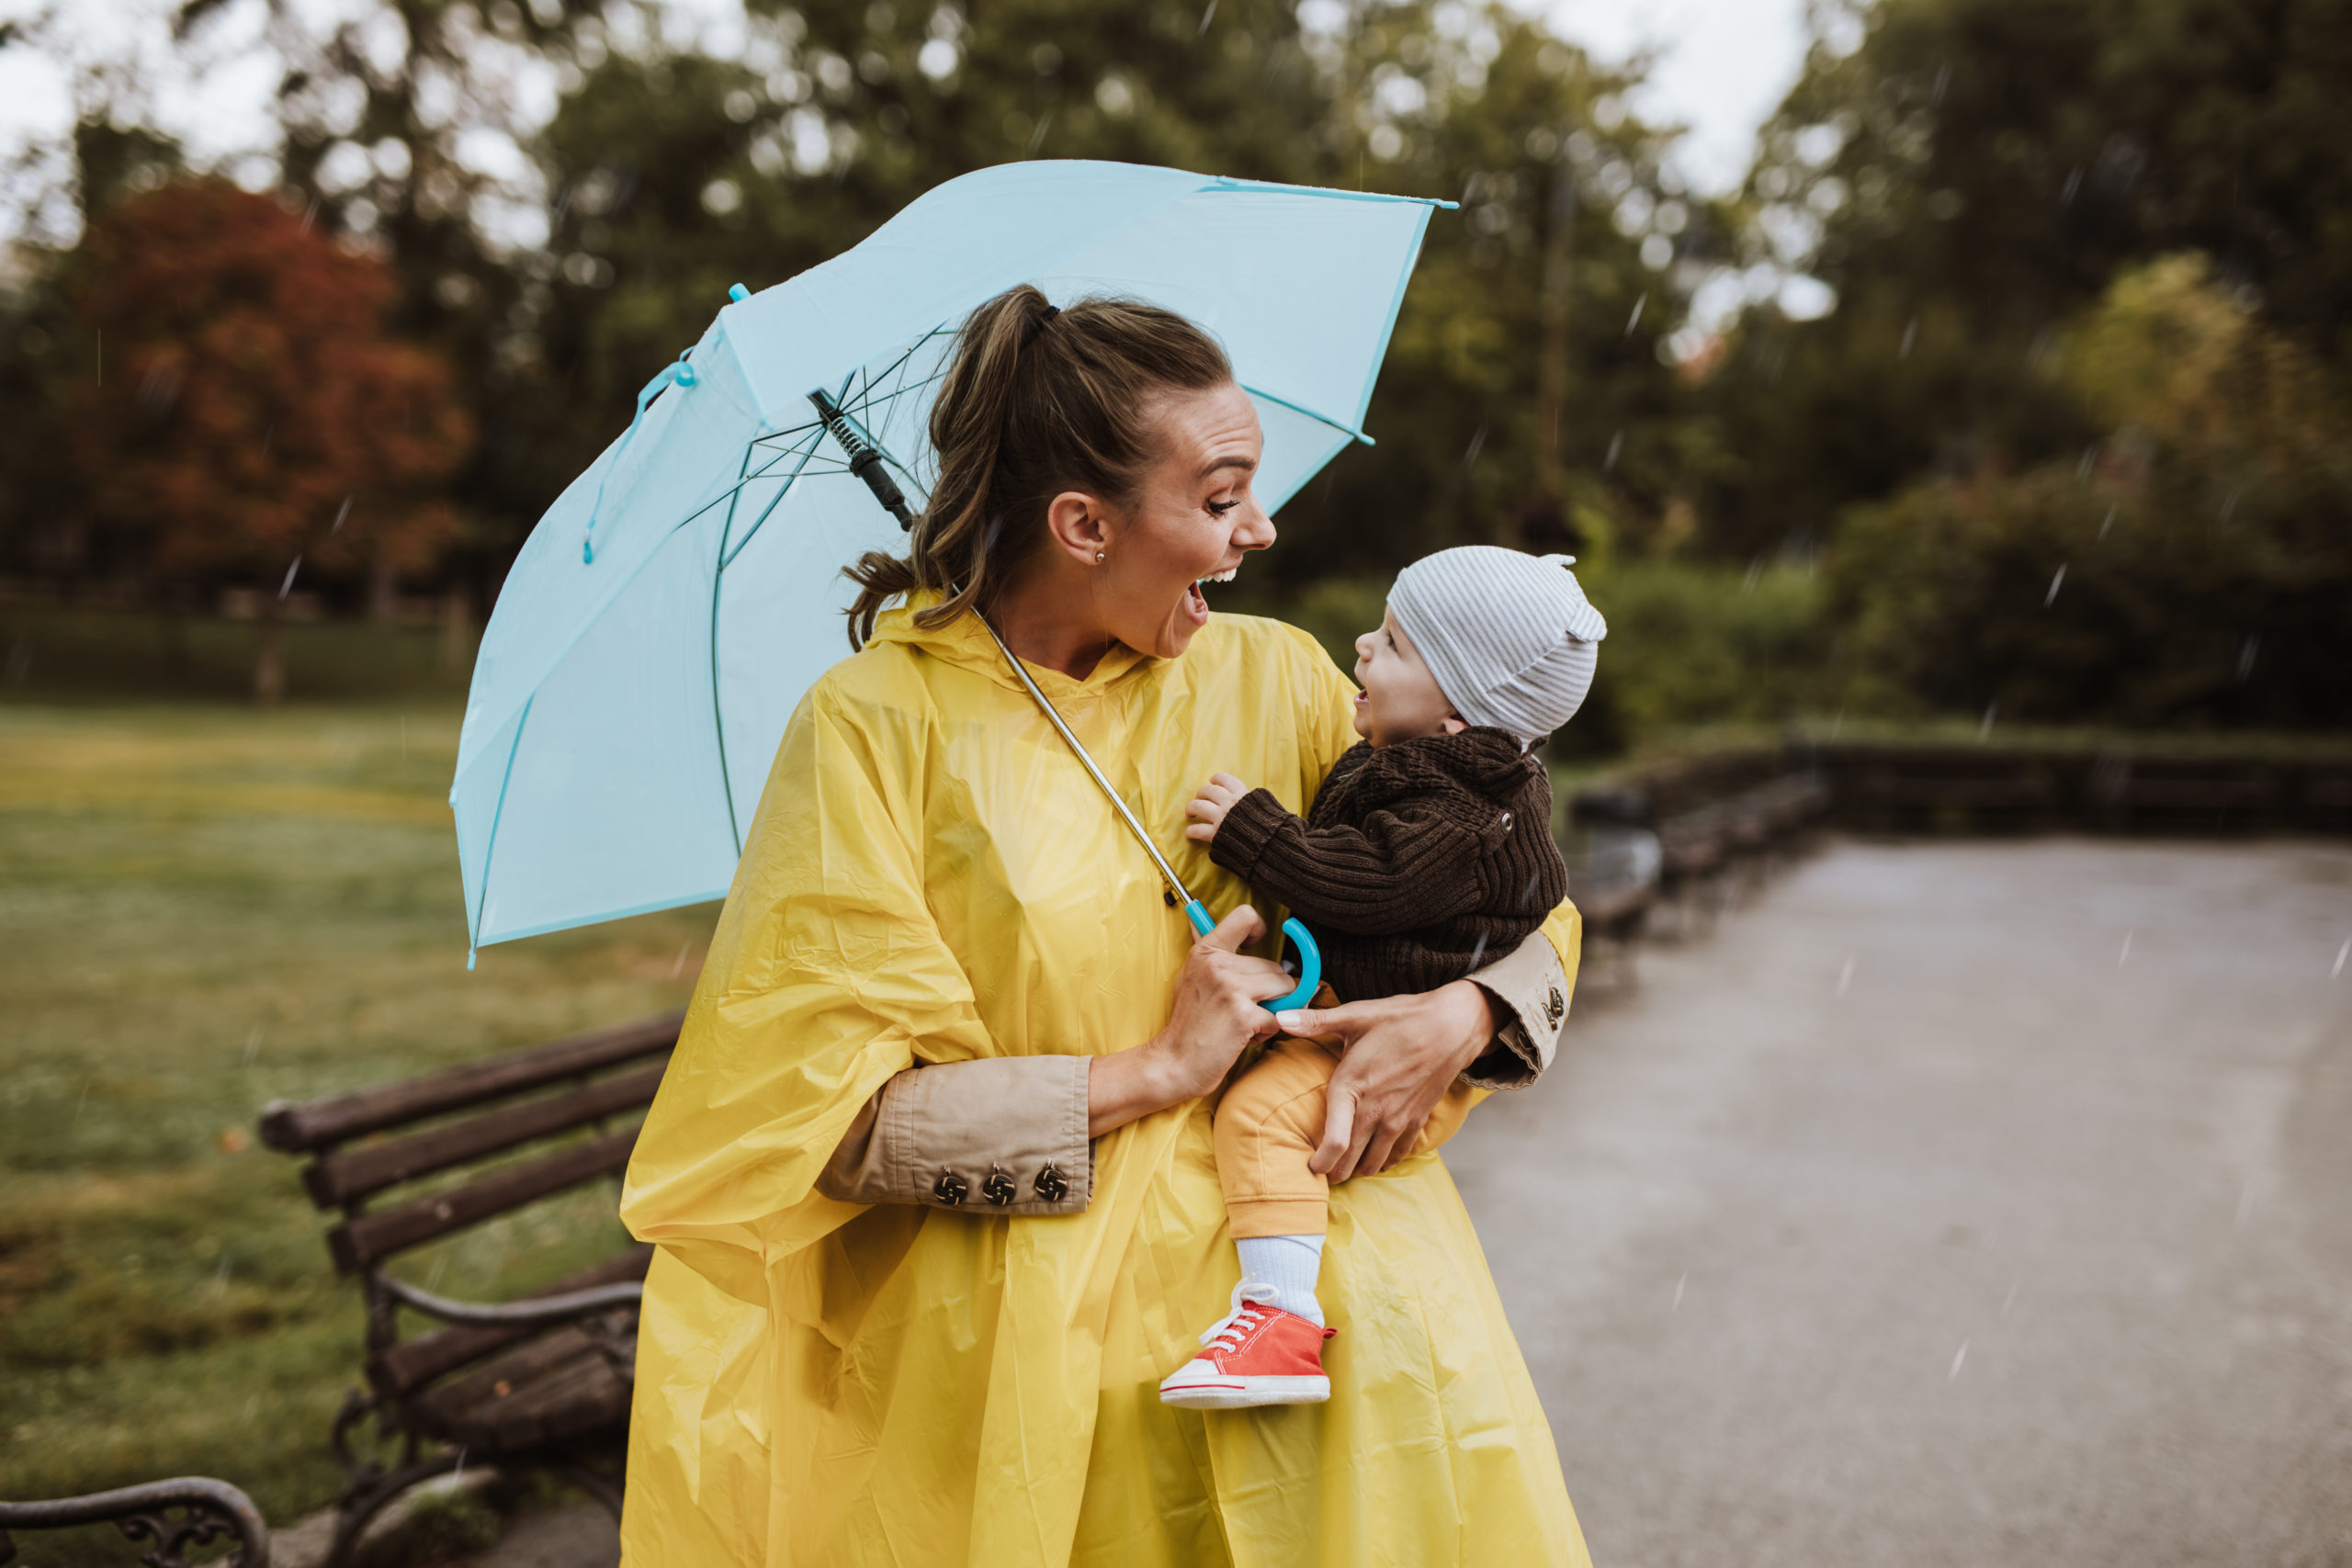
column 1036, row 402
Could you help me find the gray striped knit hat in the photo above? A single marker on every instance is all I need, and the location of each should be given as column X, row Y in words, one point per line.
column 1509, row 635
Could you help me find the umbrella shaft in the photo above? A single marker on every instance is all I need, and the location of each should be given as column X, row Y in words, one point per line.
column 1175, row 883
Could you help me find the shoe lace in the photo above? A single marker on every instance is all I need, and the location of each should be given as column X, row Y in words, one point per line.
column 1251, row 1306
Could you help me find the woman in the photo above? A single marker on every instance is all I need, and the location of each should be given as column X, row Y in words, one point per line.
column 942, row 982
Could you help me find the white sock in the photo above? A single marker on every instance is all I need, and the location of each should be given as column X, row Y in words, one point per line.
column 1288, row 1263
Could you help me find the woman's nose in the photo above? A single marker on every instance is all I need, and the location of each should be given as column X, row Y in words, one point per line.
column 1256, row 530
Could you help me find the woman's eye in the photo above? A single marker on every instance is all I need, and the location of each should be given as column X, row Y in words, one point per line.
column 1219, row 508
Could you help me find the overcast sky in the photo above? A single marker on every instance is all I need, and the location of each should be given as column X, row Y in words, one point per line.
column 1722, row 67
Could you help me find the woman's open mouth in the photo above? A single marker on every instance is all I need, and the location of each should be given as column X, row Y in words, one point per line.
column 1197, row 598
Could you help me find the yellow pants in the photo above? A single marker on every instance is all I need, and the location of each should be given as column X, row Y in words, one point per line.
column 1270, row 1122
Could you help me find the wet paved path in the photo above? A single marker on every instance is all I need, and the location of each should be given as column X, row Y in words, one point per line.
column 1911, row 1218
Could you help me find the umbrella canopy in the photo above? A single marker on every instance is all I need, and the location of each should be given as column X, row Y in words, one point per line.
column 671, row 608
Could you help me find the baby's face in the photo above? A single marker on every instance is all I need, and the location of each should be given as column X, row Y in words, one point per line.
column 1400, row 700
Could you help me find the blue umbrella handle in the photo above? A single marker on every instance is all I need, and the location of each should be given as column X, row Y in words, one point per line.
column 1310, row 958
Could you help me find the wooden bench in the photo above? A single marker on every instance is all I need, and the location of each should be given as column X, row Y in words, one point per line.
column 209, row 1511
column 542, row 1381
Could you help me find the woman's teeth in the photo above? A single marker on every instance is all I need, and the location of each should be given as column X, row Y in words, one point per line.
column 1225, row 576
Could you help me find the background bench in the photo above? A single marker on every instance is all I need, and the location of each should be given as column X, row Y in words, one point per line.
column 208, row 1511
column 540, row 1381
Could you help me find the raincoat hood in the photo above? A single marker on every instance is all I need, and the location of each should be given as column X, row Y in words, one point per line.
column 965, row 643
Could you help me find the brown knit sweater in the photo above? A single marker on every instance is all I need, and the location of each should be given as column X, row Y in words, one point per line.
column 1417, row 862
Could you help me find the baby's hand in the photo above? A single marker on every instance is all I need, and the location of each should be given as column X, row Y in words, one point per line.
column 1209, row 807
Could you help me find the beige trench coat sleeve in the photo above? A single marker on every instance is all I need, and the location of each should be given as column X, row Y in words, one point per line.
column 1003, row 1136
column 1530, row 991
column 937, row 1135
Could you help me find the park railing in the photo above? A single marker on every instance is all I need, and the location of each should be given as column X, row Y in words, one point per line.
column 1680, row 838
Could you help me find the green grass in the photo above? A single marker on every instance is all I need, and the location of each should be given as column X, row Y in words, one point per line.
column 203, row 909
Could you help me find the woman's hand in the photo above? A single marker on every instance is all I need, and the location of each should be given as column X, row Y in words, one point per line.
column 1215, row 1015
column 1208, row 808
column 1401, row 1055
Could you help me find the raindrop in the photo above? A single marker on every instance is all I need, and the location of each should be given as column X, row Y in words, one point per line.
column 1943, row 81
column 1846, row 975
column 1910, row 336
column 2052, row 597
column 2073, row 184
column 253, row 1045
column 1635, row 319
column 1207, row 16
column 1678, row 1292
column 2341, row 954
column 288, row 586
column 1477, row 953
column 1959, row 1358
column 2252, row 645
column 1991, row 710
column 2246, row 1204
column 1755, row 570
column 2125, row 956
column 1616, row 444
column 2090, row 456
column 678, row 965
column 1470, row 453
column 340, row 514
column 2011, row 1299
column 2229, row 502
column 2106, row 522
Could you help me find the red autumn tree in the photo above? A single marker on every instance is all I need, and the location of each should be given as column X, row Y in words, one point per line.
column 252, row 417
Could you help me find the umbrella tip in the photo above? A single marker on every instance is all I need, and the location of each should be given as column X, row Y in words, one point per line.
column 738, row 293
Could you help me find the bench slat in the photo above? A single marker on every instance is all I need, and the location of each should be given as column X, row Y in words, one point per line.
column 337, row 1178
column 415, row 1362
column 317, row 1123
column 360, row 1242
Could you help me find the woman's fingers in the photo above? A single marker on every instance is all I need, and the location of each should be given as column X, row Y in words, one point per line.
column 1237, row 931
column 1344, row 1023
column 1338, row 1137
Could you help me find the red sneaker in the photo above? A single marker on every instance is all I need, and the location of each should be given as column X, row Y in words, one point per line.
column 1259, row 1354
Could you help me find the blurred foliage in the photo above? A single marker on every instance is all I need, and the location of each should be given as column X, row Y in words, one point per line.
column 1590, row 358
column 259, row 417
column 2195, row 566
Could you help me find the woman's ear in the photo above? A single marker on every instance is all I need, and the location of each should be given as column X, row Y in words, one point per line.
column 1079, row 526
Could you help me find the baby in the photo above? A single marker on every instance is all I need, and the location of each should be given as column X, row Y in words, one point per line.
column 1427, row 847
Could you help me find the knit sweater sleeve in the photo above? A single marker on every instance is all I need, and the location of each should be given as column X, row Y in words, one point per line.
column 1395, row 874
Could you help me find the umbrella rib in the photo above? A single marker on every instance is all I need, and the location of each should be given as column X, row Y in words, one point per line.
column 718, row 710
column 770, row 508
column 1348, row 430
column 497, row 812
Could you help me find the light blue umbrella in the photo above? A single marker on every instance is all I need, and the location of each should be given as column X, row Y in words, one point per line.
column 667, row 613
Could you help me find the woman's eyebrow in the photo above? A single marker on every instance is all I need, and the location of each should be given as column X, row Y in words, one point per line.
column 1247, row 465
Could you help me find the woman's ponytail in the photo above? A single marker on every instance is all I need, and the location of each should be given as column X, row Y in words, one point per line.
column 1036, row 402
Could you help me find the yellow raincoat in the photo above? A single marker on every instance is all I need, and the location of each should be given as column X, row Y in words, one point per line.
column 933, row 877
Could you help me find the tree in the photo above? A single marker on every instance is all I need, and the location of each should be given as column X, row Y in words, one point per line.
column 1969, row 175
column 677, row 173
column 252, row 417
column 2193, row 568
